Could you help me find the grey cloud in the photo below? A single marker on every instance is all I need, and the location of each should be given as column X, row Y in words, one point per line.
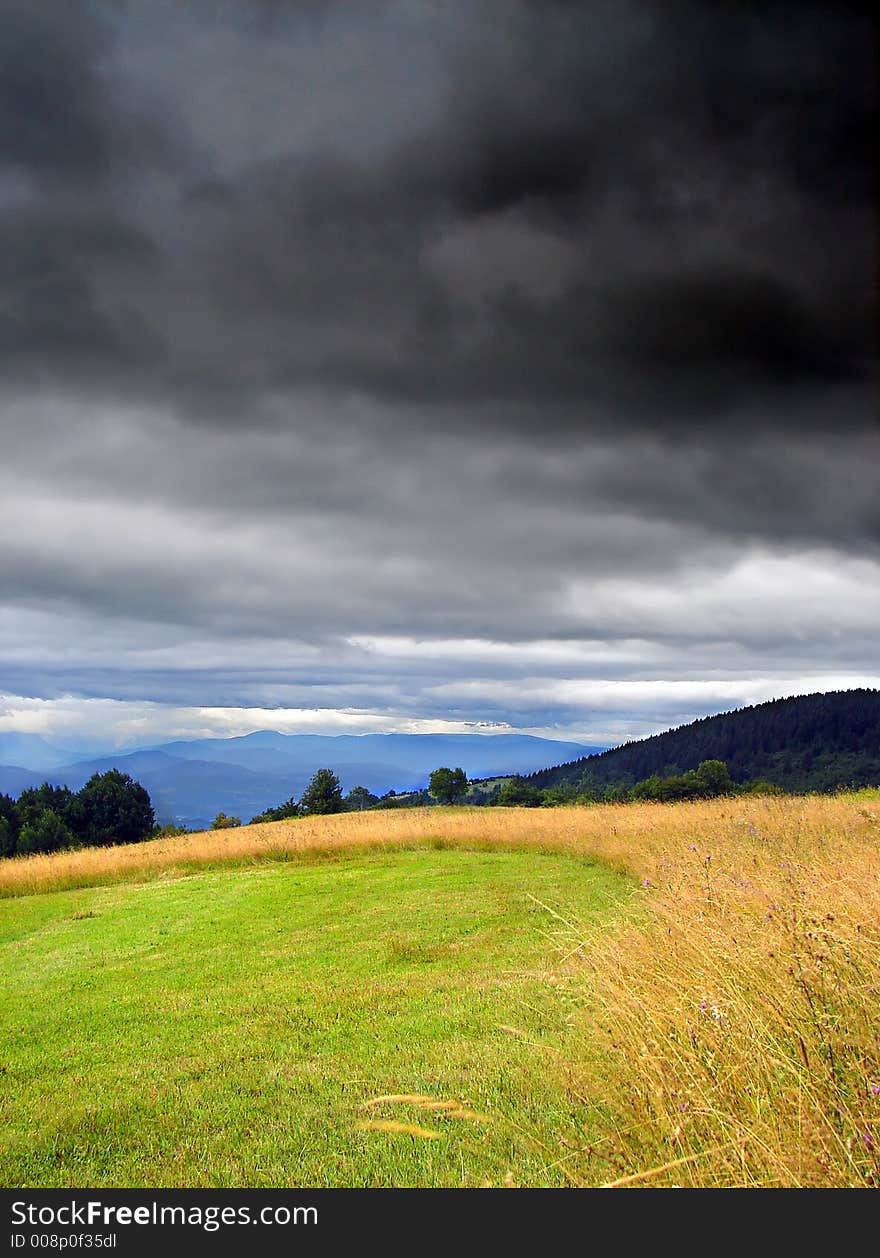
column 235, row 541
column 68, row 119
column 411, row 319
column 51, row 273
column 705, row 247
column 50, row 93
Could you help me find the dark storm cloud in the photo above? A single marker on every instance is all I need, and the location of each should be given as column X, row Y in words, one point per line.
column 74, row 144
column 67, row 116
column 703, row 170
column 495, row 321
column 52, row 322
column 52, row 106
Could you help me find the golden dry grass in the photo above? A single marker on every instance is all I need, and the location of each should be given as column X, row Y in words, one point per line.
column 733, row 1038
column 731, row 1035
column 610, row 833
column 435, row 1106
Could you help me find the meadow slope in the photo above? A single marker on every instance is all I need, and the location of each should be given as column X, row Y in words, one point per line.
column 722, row 1030
column 387, row 1020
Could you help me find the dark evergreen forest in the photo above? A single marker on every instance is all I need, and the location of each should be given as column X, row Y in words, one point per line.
column 818, row 742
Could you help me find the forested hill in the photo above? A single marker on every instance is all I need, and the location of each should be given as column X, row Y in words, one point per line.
column 807, row 743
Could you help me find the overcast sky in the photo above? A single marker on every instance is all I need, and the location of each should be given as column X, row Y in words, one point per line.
column 413, row 365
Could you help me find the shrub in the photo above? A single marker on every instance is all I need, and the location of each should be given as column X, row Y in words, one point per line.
column 222, row 822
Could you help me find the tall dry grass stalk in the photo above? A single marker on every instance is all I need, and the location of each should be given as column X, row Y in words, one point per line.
column 730, row 1028
column 732, row 1038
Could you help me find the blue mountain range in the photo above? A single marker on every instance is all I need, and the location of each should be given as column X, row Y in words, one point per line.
column 189, row 782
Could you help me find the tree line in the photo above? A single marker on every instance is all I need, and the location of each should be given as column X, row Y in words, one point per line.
column 451, row 786
column 110, row 808
column 709, row 780
column 324, row 796
column 113, row 808
column 820, row 742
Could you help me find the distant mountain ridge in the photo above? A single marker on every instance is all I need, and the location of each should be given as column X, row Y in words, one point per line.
column 190, row 781
column 32, row 751
column 809, row 742
column 817, row 742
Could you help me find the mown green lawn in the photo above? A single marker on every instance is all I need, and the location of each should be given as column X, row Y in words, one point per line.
column 226, row 1029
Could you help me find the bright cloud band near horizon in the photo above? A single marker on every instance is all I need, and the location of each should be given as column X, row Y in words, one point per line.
column 618, row 711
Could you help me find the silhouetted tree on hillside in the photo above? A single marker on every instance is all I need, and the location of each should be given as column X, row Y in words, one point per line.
column 448, row 785
column 323, row 795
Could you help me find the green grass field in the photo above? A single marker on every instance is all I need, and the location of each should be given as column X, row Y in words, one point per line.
column 230, row 1028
